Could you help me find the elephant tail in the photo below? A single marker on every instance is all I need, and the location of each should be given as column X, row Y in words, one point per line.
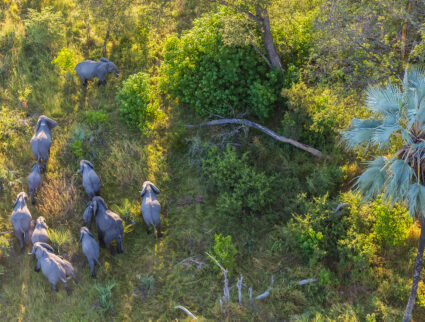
column 98, row 263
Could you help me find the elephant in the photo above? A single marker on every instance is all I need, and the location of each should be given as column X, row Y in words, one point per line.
column 42, row 139
column 90, row 248
column 34, row 180
column 88, row 214
column 46, row 247
column 21, row 219
column 40, row 231
column 150, row 207
column 89, row 69
column 91, row 181
column 55, row 268
column 109, row 225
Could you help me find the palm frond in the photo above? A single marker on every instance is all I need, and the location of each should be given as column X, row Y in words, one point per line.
column 360, row 131
column 400, row 176
column 385, row 100
column 416, row 83
column 382, row 133
column 371, row 182
column 416, row 198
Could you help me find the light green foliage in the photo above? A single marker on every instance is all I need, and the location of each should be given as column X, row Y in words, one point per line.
column 66, row 61
column 224, row 252
column 4, row 247
column 138, row 106
column 392, row 223
column 212, row 77
column 96, row 119
column 105, row 295
column 76, row 148
column 127, row 211
column 45, row 30
column 242, row 189
column 60, row 238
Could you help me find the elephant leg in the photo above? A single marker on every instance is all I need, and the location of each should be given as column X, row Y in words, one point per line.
column 100, row 237
column 68, row 291
column 37, row 267
column 112, row 250
column 119, row 245
column 85, row 82
column 99, row 83
column 20, row 239
column 32, row 197
column 148, row 231
column 91, row 263
column 158, row 231
column 54, row 288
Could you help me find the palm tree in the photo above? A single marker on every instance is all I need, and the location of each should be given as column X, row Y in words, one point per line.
column 398, row 118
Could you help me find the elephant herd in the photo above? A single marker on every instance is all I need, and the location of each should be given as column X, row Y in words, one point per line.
column 109, row 225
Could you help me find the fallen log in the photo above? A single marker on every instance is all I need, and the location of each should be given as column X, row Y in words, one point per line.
column 265, row 130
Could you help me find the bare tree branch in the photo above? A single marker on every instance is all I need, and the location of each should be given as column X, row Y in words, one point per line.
column 226, row 291
column 265, row 130
column 186, row 311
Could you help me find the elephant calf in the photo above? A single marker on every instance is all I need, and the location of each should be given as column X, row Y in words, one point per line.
column 21, row 219
column 91, row 181
column 34, row 180
column 109, row 225
column 53, row 267
column 90, row 248
column 42, row 139
column 89, row 69
column 40, row 231
column 150, row 207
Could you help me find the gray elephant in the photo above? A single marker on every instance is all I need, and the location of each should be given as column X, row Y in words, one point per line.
column 89, row 69
column 90, row 248
column 21, row 219
column 34, row 180
column 40, row 231
column 55, row 268
column 150, row 207
column 46, row 247
column 42, row 139
column 91, row 181
column 88, row 214
column 109, row 225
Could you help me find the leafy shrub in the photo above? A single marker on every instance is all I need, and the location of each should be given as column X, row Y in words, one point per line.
column 127, row 211
column 105, row 295
column 44, row 30
column 138, row 108
column 242, row 190
column 60, row 238
column 392, row 223
column 212, row 77
column 66, row 61
column 225, row 252
column 96, row 118
column 76, row 148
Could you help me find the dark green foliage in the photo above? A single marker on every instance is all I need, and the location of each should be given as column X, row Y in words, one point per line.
column 212, row 77
column 243, row 191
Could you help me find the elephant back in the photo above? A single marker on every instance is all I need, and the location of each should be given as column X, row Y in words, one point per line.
column 107, row 220
column 21, row 219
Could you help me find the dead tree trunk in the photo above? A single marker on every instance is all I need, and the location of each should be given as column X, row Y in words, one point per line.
column 104, row 43
column 267, row 131
column 416, row 274
column 264, row 24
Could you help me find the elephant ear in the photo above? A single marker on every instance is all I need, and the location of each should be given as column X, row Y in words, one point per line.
column 16, row 202
column 155, row 189
column 37, row 127
column 142, row 193
column 105, row 60
column 50, row 123
column 90, row 164
column 47, row 247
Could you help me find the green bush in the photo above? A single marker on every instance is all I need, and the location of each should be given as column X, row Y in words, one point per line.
column 76, row 148
column 392, row 223
column 212, row 77
column 66, row 61
column 138, row 108
column 105, row 295
column 96, row 118
column 225, row 252
column 242, row 189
